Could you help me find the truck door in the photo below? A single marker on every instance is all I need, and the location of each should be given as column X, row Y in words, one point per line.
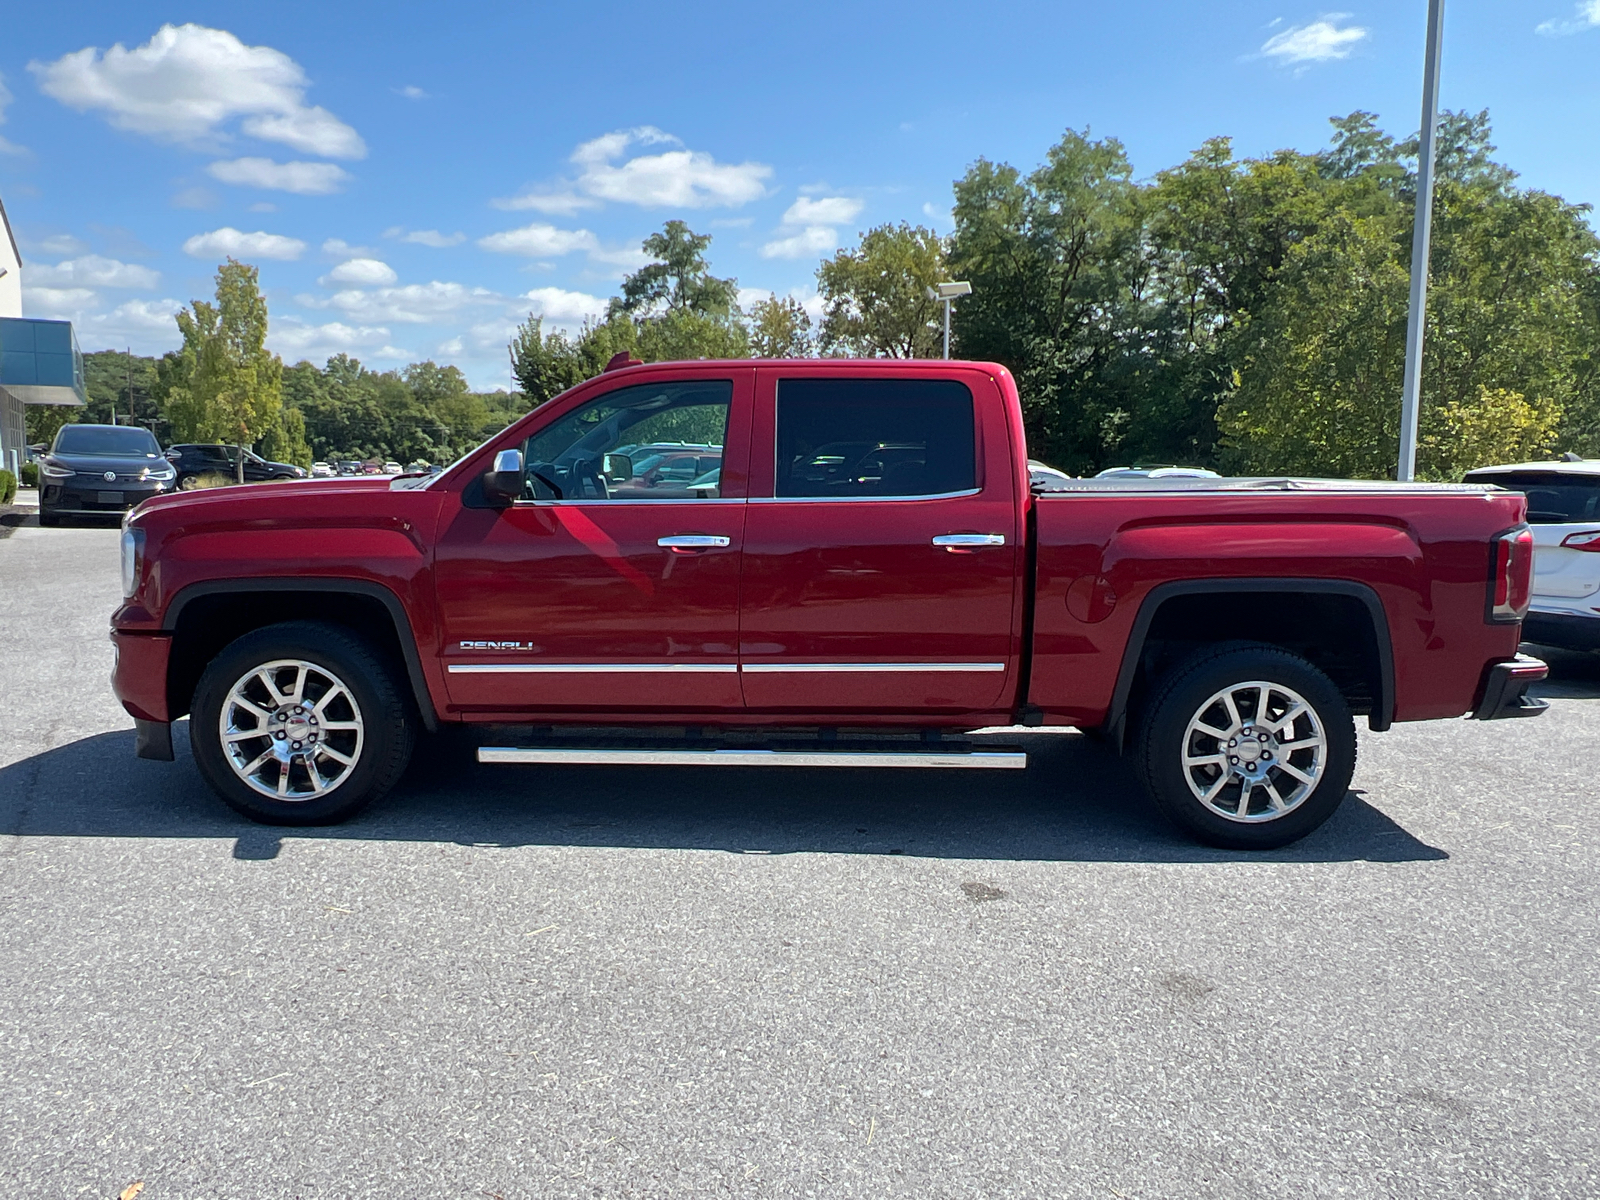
column 612, row 585
column 881, row 557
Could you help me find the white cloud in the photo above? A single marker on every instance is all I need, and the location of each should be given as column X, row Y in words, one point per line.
column 677, row 178
column 451, row 348
column 1320, row 41
column 554, row 204
column 59, row 243
column 363, row 272
column 229, row 242
column 262, row 206
column 295, row 339
column 195, row 197
column 187, row 81
column 302, row 178
column 810, row 241
column 1586, row 17
column 94, row 271
column 563, row 307
column 828, row 210
column 413, row 304
column 146, row 326
column 55, row 302
column 339, row 248
column 629, row 258
column 540, row 241
column 427, row 237
column 412, row 92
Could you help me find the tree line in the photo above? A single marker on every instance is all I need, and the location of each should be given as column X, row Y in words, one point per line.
column 1246, row 314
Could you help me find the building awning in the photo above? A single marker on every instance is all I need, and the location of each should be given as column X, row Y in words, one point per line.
column 40, row 362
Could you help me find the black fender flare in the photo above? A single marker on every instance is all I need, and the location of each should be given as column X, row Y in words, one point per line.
column 1382, row 715
column 313, row 583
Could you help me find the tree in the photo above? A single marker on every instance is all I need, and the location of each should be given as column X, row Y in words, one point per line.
column 875, row 297
column 224, row 386
column 1060, row 277
column 545, row 364
column 679, row 280
column 780, row 328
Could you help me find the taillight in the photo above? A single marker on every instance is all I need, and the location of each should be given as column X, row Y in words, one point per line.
column 1511, row 578
column 1589, row 539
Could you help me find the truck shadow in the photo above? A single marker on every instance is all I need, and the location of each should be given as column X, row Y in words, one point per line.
column 1075, row 803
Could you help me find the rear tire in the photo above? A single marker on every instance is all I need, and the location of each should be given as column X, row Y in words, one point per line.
column 1229, row 774
column 301, row 723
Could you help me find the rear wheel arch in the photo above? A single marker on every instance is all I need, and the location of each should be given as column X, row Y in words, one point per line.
column 1240, row 610
column 204, row 618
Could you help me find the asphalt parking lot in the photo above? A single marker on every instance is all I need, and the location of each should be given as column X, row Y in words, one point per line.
column 527, row 982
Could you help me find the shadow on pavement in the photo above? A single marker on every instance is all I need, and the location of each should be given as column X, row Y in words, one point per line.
column 1574, row 674
column 1076, row 802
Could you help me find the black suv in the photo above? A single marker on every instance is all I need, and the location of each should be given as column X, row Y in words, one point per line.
column 193, row 461
column 99, row 469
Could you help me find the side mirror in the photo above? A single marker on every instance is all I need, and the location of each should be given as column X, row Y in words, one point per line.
column 618, row 468
column 502, row 483
column 40, row 448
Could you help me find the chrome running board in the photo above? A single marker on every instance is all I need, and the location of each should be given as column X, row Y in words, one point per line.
column 980, row 760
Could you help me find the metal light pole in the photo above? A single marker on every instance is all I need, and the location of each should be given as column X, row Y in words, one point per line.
column 946, row 294
column 1421, row 236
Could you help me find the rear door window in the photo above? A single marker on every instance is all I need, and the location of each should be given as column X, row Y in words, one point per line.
column 875, row 437
column 1553, row 498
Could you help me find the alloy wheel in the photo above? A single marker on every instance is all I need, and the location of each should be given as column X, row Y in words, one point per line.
column 291, row 730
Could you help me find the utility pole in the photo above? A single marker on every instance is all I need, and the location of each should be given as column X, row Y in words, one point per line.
column 1421, row 238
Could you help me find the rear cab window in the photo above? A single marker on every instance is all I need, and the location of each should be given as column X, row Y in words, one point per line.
column 874, row 438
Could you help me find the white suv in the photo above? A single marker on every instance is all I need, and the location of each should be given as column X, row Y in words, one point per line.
column 1564, row 510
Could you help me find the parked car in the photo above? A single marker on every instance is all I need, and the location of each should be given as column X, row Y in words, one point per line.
column 321, row 470
column 1564, row 510
column 99, row 469
column 392, row 468
column 1157, row 473
column 1223, row 632
column 192, row 460
column 348, row 466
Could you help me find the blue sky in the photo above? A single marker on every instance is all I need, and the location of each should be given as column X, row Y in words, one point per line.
column 412, row 179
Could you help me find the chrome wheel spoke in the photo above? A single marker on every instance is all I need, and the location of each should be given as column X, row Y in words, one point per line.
column 1250, row 755
column 290, row 721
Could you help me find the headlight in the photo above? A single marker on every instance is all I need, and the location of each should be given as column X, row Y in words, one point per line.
column 52, row 470
column 132, row 560
column 160, row 474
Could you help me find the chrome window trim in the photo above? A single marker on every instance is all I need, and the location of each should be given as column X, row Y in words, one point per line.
column 860, row 499
column 784, row 668
column 613, row 503
column 593, row 668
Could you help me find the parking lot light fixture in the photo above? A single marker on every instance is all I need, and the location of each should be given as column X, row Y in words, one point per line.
column 946, row 294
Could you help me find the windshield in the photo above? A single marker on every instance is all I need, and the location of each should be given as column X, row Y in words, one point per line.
column 107, row 440
column 1553, row 498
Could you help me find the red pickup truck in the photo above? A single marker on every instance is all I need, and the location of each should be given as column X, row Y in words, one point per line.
column 816, row 563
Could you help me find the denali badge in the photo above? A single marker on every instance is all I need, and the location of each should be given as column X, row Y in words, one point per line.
column 498, row 646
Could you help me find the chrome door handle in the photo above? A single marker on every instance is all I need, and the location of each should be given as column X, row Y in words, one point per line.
column 968, row 541
column 694, row 541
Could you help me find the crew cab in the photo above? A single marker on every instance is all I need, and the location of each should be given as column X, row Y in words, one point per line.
column 868, row 572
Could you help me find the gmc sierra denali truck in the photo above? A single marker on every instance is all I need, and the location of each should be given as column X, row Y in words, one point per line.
column 814, row 563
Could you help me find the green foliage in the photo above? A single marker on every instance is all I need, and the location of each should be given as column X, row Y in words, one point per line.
column 1250, row 313
column 875, row 297
column 670, row 309
column 678, row 280
column 779, row 329
column 8, row 486
column 28, row 475
column 224, row 386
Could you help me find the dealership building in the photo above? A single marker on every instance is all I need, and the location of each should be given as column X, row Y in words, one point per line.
column 39, row 360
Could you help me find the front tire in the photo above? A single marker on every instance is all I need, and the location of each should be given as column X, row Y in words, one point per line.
column 300, row 724
column 1246, row 747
